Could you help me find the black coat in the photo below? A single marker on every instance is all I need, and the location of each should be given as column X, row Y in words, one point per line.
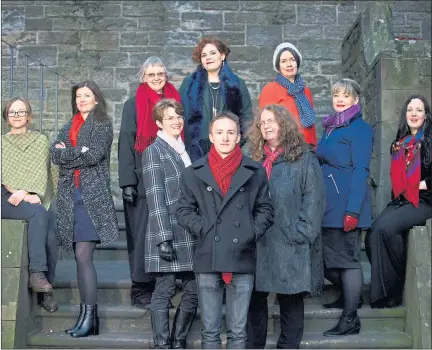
column 227, row 227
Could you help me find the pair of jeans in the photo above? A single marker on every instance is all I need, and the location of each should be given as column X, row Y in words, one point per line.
column 41, row 235
column 166, row 287
column 210, row 295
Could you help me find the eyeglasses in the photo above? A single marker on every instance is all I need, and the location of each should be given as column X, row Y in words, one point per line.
column 265, row 122
column 15, row 114
column 153, row 75
column 171, row 119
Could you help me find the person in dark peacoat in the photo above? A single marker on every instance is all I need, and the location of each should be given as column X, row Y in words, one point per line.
column 289, row 256
column 85, row 212
column 228, row 218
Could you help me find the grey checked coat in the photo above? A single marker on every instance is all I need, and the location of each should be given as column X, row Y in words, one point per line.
column 95, row 188
column 162, row 168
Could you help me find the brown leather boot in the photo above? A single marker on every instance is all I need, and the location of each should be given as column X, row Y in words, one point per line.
column 39, row 283
column 47, row 301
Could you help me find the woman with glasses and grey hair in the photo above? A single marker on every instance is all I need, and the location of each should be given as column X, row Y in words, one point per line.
column 138, row 131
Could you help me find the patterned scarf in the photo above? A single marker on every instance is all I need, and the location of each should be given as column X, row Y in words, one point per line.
column 77, row 122
column 405, row 168
column 223, row 169
column 146, row 98
column 270, row 158
column 304, row 107
column 338, row 119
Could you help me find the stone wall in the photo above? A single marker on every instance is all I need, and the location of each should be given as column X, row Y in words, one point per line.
column 389, row 71
column 108, row 41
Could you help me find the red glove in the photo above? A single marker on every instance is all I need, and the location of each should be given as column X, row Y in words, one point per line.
column 350, row 223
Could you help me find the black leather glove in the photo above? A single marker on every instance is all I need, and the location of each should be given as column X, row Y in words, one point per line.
column 130, row 194
column 166, row 251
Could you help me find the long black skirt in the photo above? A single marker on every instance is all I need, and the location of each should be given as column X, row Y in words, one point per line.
column 84, row 230
column 386, row 248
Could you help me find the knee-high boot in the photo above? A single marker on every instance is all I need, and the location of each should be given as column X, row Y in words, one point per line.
column 182, row 323
column 160, row 325
column 89, row 324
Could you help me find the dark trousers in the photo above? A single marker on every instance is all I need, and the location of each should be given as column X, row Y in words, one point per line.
column 386, row 247
column 136, row 222
column 165, row 289
column 41, row 235
column 291, row 321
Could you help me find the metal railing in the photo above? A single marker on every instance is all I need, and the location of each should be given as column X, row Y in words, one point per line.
column 27, row 59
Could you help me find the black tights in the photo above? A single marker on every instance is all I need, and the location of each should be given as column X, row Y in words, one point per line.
column 86, row 272
column 351, row 282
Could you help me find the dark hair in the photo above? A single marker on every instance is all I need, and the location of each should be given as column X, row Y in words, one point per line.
column 12, row 101
column 162, row 105
column 296, row 57
column 100, row 110
column 220, row 45
column 225, row 115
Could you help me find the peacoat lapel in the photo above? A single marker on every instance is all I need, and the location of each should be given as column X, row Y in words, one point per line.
column 202, row 170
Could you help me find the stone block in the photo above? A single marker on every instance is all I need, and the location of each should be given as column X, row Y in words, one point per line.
column 231, row 38
column 64, row 100
column 320, row 49
column 426, row 30
column 64, row 10
column 126, row 74
column 137, row 59
column 385, row 133
column 346, row 18
column 398, row 18
column 259, row 5
column 104, row 41
column 316, row 14
column 191, row 21
column 181, row 6
column 116, row 95
column 58, row 38
column 112, row 24
column 68, row 23
column 10, row 291
column 334, row 31
column 14, row 240
column 32, row 11
column 412, row 30
column 309, row 67
column 235, row 28
column 34, row 24
column 42, row 53
column 13, row 19
column 411, row 6
column 401, row 74
column 323, row 106
column 281, row 17
column 219, row 5
column 351, row 45
column 104, row 77
column 320, row 85
column 8, row 334
column 114, row 59
column 263, row 35
column 244, row 53
column 94, row 9
column 158, row 24
column 143, row 8
column 177, row 57
column 173, row 38
column 20, row 38
column 298, row 31
column 245, row 18
column 330, row 67
column 134, row 38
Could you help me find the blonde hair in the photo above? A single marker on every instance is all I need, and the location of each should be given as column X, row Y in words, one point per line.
column 349, row 86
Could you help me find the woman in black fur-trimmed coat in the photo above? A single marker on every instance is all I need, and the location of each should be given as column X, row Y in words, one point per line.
column 210, row 89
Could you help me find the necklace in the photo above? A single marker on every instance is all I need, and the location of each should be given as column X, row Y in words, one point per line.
column 214, row 100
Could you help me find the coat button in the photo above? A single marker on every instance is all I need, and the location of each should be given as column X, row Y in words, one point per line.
column 217, row 238
column 235, row 240
column 209, row 188
column 241, row 189
column 236, row 224
column 213, row 205
column 218, row 221
column 239, row 206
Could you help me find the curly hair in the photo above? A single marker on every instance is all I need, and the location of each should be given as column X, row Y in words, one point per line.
column 291, row 139
column 220, row 45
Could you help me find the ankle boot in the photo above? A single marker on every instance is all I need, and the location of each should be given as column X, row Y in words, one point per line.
column 160, row 326
column 348, row 324
column 90, row 323
column 339, row 303
column 78, row 322
column 182, row 323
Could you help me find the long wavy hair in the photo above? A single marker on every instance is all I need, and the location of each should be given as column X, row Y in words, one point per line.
column 291, row 139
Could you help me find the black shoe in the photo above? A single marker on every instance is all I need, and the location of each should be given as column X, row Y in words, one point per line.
column 90, row 323
column 181, row 325
column 160, row 327
column 339, row 303
column 47, row 301
column 348, row 324
column 78, row 322
column 387, row 303
column 141, row 294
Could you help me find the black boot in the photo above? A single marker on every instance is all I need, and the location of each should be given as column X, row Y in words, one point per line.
column 78, row 322
column 141, row 294
column 89, row 324
column 348, row 324
column 339, row 303
column 182, row 323
column 160, row 326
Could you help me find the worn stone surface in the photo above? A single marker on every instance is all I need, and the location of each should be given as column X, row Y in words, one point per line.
column 12, row 244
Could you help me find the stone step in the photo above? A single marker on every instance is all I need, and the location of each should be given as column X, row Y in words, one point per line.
column 144, row 340
column 123, row 318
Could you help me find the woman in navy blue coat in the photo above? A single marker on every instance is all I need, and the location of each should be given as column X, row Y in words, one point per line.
column 344, row 152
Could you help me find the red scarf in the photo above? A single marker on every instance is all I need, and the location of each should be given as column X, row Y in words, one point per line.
column 77, row 122
column 270, row 158
column 146, row 98
column 223, row 169
column 405, row 168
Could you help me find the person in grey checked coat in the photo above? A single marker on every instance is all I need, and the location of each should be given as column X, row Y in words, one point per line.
column 169, row 247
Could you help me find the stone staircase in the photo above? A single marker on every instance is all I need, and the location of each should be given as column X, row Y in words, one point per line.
column 122, row 326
